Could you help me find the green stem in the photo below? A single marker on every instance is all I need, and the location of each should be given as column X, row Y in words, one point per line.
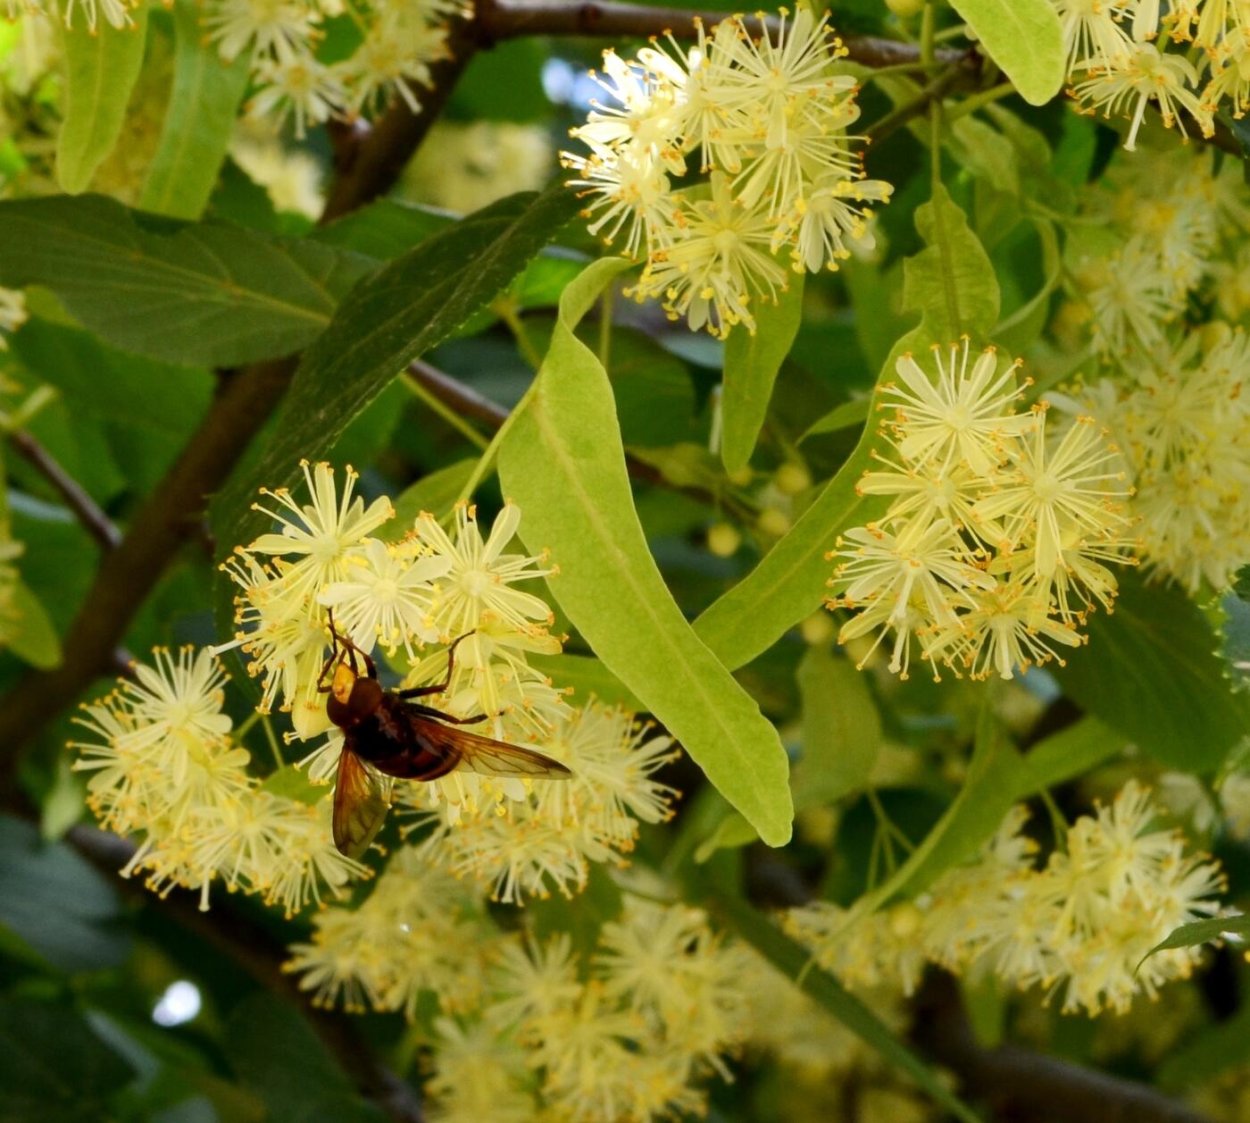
column 938, row 191
column 506, row 310
column 978, row 101
column 486, row 461
column 447, row 414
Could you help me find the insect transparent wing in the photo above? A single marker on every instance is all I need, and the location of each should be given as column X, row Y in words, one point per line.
column 361, row 801
column 476, row 753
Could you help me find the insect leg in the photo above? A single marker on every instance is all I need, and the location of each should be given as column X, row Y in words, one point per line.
column 322, row 687
column 438, row 687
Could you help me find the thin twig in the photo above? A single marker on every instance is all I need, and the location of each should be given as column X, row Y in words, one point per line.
column 257, row 953
column 94, row 521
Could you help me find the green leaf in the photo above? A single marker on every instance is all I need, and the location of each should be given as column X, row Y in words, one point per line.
column 1206, row 1052
column 276, row 1053
column 841, row 729
column 53, row 1068
column 752, row 361
column 1025, row 40
column 101, row 68
column 198, row 121
column 951, row 282
column 849, row 415
column 208, row 294
column 793, row 961
column 788, row 585
column 986, row 153
column 384, row 229
column 399, row 313
column 31, row 635
column 562, row 460
column 57, row 902
column 1065, row 755
column 435, row 492
column 588, row 678
column 1199, row 932
column 1150, row 671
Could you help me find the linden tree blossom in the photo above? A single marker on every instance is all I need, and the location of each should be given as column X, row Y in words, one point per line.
column 627, row 1032
column 1080, row 926
column 162, row 763
column 768, row 117
column 545, row 838
column 992, row 550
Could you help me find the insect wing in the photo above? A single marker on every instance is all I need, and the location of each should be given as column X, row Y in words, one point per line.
column 361, row 801
column 475, row 753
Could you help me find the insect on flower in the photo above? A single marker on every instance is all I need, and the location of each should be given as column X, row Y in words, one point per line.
column 386, row 736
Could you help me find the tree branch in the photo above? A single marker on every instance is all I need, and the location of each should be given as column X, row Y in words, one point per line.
column 1029, row 1087
column 255, row 950
column 94, row 520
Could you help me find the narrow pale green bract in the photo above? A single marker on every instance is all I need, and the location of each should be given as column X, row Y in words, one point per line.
column 563, row 462
column 101, row 68
column 292, row 782
column 1202, row 931
column 952, row 285
column 1151, row 672
column 198, row 121
column 752, row 361
column 1025, row 39
column 189, row 293
column 840, row 745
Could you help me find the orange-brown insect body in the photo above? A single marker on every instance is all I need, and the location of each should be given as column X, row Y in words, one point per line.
column 385, row 732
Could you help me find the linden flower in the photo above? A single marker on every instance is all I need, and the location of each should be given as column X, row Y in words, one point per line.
column 1092, row 36
column 294, row 83
column 1143, row 73
column 477, row 588
column 543, row 840
column 719, row 265
column 768, row 117
column 418, row 930
column 318, row 533
column 264, row 26
column 964, row 416
column 162, row 762
column 478, row 1075
column 12, row 313
column 389, row 600
column 1060, row 492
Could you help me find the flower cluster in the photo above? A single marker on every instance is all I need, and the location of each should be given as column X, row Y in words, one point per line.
column 1170, row 237
column 163, row 764
column 1118, row 62
column 992, row 550
column 393, row 49
column 1184, row 429
column 626, row 1033
column 1082, row 925
column 547, row 837
column 433, row 586
column 768, row 117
